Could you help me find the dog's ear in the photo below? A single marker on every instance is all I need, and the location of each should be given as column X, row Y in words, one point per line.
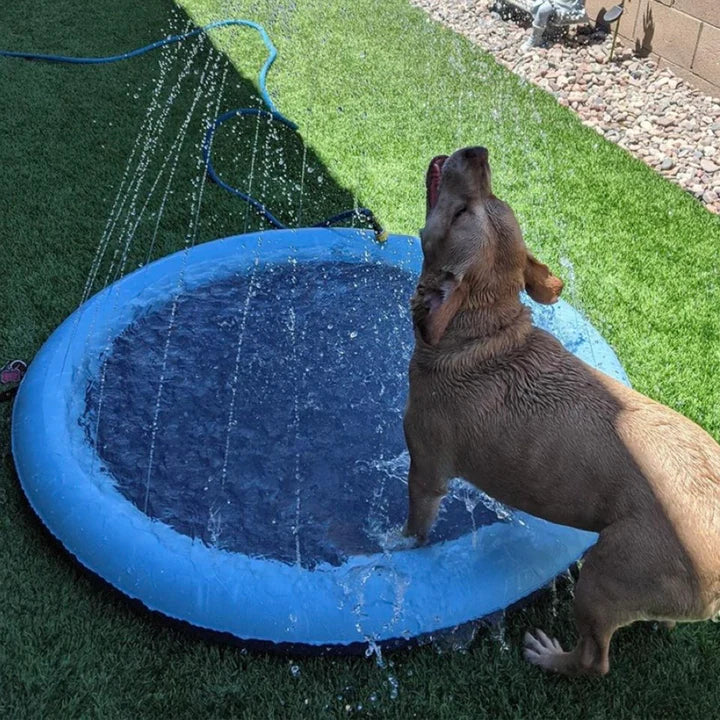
column 541, row 285
column 435, row 304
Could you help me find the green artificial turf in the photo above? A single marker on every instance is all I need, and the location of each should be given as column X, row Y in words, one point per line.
column 377, row 90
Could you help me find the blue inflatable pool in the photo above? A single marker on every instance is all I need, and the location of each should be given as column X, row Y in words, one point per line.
column 219, row 436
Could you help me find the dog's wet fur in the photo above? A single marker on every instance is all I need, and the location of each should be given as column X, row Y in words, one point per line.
column 502, row 404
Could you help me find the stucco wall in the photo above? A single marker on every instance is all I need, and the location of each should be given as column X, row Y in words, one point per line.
column 683, row 35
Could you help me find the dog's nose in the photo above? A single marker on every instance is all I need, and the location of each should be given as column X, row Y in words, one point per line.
column 478, row 152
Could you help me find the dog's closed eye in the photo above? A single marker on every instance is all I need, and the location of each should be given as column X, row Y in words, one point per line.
column 459, row 212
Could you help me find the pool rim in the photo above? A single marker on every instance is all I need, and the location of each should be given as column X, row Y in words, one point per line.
column 188, row 581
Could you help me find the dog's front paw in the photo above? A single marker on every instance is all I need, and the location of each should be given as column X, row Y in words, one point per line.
column 542, row 651
column 417, row 538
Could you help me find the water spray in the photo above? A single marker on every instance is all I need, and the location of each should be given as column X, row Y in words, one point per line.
column 272, row 113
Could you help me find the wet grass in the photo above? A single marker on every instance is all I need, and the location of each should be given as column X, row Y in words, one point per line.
column 377, row 91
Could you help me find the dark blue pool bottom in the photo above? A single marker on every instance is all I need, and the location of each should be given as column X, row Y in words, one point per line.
column 315, row 468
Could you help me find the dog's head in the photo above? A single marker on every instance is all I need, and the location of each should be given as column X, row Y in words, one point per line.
column 473, row 249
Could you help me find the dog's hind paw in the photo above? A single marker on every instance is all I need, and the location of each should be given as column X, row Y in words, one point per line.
column 541, row 650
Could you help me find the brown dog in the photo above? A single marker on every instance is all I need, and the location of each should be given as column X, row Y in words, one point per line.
column 502, row 404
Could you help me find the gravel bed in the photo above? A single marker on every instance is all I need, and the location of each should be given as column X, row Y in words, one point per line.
column 651, row 112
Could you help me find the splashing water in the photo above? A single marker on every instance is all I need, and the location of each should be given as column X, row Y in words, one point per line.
column 261, row 470
column 498, row 631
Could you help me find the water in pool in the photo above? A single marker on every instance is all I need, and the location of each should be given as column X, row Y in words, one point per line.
column 268, row 419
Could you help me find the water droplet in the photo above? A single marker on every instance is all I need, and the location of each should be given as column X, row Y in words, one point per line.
column 392, row 680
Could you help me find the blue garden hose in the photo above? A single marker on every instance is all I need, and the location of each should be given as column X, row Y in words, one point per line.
column 272, row 113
